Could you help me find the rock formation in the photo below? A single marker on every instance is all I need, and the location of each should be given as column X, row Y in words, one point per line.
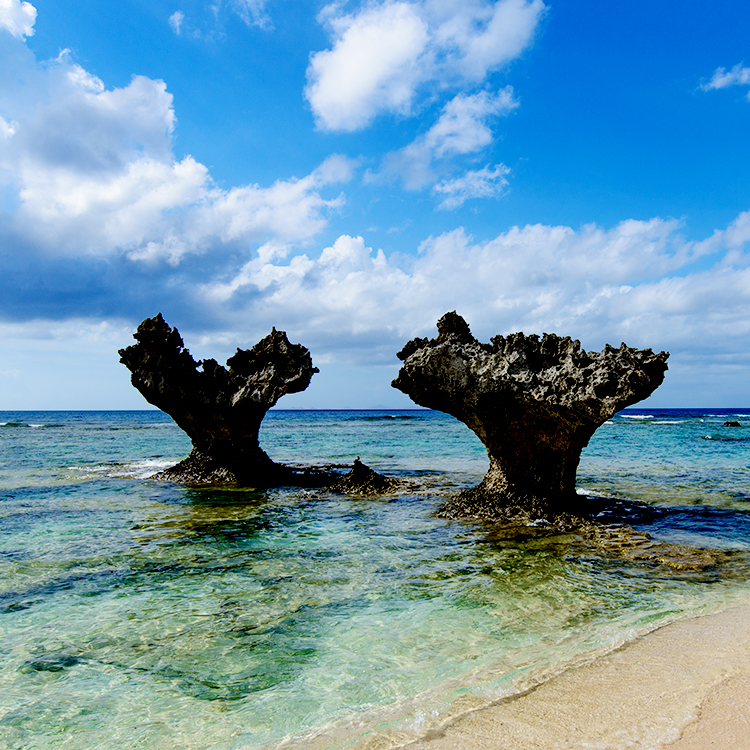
column 221, row 410
column 534, row 403
column 362, row 480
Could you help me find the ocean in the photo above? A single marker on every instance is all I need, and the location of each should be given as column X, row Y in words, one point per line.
column 141, row 614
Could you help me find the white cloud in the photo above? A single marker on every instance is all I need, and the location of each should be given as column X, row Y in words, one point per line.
column 253, row 12
column 477, row 37
column 628, row 283
column 721, row 79
column 462, row 128
column 176, row 20
column 17, row 17
column 737, row 233
column 373, row 66
column 7, row 129
column 289, row 211
column 477, row 183
column 383, row 54
column 337, row 168
column 94, row 173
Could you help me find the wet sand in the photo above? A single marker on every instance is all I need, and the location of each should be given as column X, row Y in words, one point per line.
column 685, row 686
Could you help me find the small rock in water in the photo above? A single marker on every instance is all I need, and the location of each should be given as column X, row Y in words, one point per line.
column 362, row 480
column 732, row 423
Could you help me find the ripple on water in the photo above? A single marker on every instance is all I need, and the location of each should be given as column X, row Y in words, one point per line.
column 142, row 614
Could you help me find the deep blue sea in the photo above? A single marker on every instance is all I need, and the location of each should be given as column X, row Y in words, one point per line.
column 141, row 614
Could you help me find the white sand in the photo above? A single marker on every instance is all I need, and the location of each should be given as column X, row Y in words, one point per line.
column 685, row 687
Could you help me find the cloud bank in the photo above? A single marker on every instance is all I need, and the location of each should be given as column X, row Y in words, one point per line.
column 630, row 283
column 92, row 174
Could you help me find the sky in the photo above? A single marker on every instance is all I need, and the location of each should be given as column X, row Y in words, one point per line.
column 350, row 171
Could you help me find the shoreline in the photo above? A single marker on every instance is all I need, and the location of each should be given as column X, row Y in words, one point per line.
column 684, row 686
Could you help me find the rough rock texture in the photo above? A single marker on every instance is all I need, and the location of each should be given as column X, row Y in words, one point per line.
column 534, row 403
column 362, row 480
column 221, row 410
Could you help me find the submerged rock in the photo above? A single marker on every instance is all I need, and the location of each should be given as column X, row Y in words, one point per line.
column 533, row 402
column 57, row 661
column 221, row 409
column 732, row 423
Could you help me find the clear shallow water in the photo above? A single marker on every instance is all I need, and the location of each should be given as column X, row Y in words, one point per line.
column 140, row 614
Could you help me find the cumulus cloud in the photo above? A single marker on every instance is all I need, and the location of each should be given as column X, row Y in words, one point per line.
column 94, row 174
column 18, row 18
column 721, row 79
column 373, row 66
column 288, row 211
column 628, row 283
column 462, row 128
column 383, row 54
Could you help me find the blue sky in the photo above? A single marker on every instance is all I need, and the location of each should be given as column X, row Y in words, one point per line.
column 348, row 172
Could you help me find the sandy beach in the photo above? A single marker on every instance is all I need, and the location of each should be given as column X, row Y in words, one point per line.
column 685, row 686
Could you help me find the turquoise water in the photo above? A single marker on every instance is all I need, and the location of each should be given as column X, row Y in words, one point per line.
column 141, row 614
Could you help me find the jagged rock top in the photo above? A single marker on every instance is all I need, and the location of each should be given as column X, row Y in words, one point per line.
column 552, row 370
column 165, row 372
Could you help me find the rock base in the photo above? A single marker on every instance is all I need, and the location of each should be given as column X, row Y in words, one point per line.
column 484, row 503
column 201, row 470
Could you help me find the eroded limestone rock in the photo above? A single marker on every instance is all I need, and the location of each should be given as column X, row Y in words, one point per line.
column 533, row 402
column 221, row 409
column 362, row 480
